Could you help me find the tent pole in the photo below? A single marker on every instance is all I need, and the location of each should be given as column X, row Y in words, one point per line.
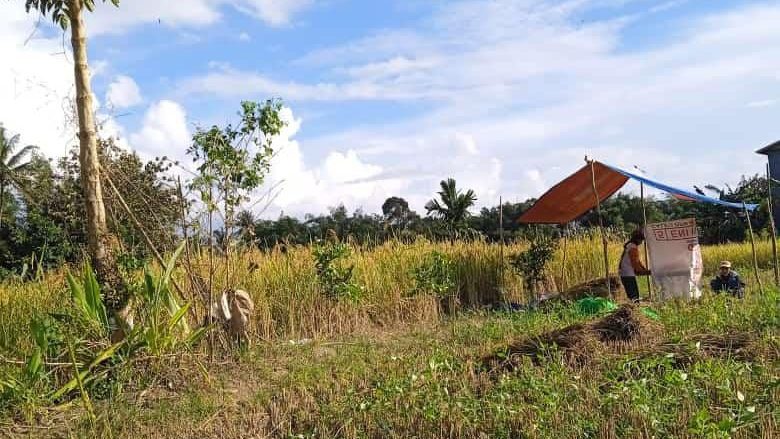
column 501, row 237
column 772, row 225
column 753, row 246
column 563, row 263
column 601, row 227
column 644, row 230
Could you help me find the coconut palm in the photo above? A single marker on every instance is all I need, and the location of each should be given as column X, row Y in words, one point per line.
column 13, row 166
column 453, row 205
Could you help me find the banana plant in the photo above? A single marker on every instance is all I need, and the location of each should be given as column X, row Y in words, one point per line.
column 165, row 328
column 162, row 329
column 87, row 300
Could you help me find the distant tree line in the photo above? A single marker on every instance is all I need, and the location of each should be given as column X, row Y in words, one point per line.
column 42, row 221
column 446, row 218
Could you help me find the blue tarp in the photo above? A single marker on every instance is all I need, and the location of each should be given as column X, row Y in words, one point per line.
column 680, row 193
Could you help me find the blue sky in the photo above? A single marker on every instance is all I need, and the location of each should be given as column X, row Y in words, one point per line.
column 389, row 97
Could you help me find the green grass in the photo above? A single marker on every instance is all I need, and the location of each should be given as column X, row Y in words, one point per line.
column 416, row 382
column 392, row 366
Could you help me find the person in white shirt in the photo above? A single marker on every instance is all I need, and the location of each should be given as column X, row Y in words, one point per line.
column 631, row 265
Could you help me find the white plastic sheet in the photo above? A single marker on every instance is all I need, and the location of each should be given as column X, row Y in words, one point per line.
column 675, row 258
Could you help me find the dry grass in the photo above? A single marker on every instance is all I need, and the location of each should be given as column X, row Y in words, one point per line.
column 578, row 345
column 594, row 288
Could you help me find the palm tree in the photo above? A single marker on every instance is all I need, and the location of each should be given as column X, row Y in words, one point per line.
column 13, row 165
column 453, row 205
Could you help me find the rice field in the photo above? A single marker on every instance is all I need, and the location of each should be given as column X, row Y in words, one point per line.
column 289, row 302
column 393, row 365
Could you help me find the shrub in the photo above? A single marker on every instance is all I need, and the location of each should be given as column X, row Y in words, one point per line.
column 435, row 275
column 335, row 278
column 531, row 263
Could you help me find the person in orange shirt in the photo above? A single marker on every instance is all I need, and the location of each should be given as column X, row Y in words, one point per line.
column 631, row 265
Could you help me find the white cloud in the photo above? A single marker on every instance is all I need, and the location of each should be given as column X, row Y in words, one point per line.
column 762, row 103
column 36, row 89
column 536, row 181
column 465, row 144
column 164, row 131
column 243, row 36
column 273, row 12
column 506, row 96
column 542, row 95
column 35, row 84
column 109, row 127
column 228, row 82
column 195, row 13
column 108, row 19
column 302, row 188
column 123, row 92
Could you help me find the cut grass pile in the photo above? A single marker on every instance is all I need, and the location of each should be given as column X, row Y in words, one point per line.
column 578, row 345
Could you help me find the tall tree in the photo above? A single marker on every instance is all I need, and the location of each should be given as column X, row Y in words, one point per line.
column 233, row 161
column 397, row 212
column 13, row 165
column 245, row 222
column 68, row 13
column 453, row 205
column 145, row 187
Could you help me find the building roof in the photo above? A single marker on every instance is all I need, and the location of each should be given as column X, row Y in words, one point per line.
column 769, row 148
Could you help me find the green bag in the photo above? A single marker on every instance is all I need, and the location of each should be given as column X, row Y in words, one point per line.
column 595, row 305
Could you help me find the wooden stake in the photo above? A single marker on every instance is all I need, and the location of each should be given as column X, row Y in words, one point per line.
column 772, row 225
column 753, row 246
column 644, row 230
column 601, row 227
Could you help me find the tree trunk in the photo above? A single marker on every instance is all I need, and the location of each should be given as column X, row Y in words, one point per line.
column 99, row 241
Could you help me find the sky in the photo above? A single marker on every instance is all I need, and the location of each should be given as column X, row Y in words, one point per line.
column 388, row 97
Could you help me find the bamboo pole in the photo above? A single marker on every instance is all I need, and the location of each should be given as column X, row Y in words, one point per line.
column 772, row 225
column 501, row 237
column 601, row 227
column 211, row 269
column 141, row 229
column 563, row 263
column 753, row 247
column 644, row 230
column 196, row 286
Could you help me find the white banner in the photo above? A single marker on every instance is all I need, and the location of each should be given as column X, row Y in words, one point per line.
column 675, row 258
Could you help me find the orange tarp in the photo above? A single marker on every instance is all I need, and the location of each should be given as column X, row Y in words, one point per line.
column 573, row 197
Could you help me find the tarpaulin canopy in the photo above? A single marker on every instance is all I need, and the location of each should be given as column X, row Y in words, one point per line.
column 573, row 197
